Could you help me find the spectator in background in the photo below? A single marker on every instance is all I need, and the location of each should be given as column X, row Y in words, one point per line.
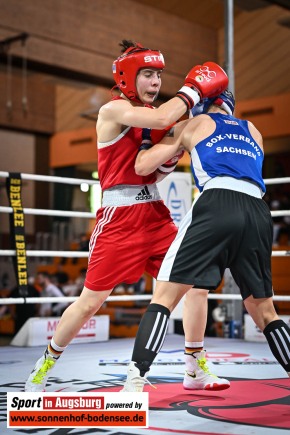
column 80, row 280
column 4, row 282
column 275, row 205
column 281, row 227
column 138, row 287
column 75, row 288
column 48, row 289
column 4, row 309
column 284, row 234
column 84, row 243
column 23, row 312
column 60, row 276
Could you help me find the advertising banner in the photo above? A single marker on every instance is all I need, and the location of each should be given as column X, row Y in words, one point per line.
column 38, row 331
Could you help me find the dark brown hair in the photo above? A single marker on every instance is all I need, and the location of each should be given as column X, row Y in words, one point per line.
column 127, row 43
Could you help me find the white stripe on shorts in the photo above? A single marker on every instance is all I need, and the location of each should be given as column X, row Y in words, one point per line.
column 107, row 217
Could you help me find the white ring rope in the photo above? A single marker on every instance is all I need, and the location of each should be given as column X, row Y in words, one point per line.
column 61, row 299
column 34, row 253
column 83, row 214
column 277, row 213
column 81, row 254
column 39, row 211
column 230, row 297
column 77, row 181
column 277, row 180
column 280, row 253
column 52, row 179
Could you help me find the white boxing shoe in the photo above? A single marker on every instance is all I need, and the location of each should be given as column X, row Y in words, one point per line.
column 37, row 379
column 134, row 382
column 198, row 376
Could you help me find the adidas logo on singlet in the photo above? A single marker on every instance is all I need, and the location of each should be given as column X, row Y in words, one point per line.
column 144, row 194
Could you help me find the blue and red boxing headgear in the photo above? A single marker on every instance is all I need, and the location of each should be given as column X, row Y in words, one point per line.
column 127, row 66
column 225, row 100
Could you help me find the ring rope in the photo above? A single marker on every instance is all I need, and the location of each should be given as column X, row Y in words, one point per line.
column 35, row 253
column 277, row 180
column 67, row 180
column 276, row 213
column 82, row 254
column 51, row 178
column 10, row 301
column 85, row 214
column 39, row 211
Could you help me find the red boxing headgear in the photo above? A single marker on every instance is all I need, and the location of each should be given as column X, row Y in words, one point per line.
column 127, row 66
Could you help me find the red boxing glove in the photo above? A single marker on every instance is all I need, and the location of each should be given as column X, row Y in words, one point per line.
column 170, row 165
column 203, row 81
